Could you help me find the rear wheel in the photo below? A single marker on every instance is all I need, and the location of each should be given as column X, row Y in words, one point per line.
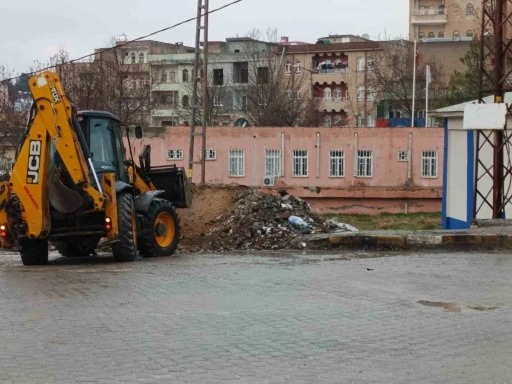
column 82, row 248
column 161, row 231
column 33, row 252
column 126, row 248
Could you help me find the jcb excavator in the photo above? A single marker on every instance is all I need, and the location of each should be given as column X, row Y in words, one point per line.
column 72, row 185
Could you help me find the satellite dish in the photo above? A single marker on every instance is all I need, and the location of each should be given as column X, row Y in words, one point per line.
column 366, row 36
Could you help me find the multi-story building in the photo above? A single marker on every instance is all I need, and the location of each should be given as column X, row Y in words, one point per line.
column 452, row 20
column 135, row 56
column 444, row 30
column 339, row 69
column 229, row 65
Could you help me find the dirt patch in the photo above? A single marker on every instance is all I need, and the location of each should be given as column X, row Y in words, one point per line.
column 448, row 307
column 208, row 204
column 482, row 309
column 454, row 307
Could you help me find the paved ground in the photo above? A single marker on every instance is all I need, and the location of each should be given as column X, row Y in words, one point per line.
column 258, row 319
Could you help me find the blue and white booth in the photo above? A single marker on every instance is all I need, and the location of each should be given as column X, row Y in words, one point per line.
column 460, row 168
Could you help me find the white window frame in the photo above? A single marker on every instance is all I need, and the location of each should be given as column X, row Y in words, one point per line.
column 360, row 120
column 236, row 163
column 327, row 121
column 288, row 67
column 210, row 154
column 273, row 160
column 370, row 94
column 297, row 67
column 403, row 155
column 217, row 101
column 360, row 93
column 429, row 165
column 175, row 154
column 370, row 121
column 370, row 65
column 300, row 158
column 289, row 94
column 336, row 163
column 363, row 159
column 337, row 93
column 360, row 64
column 327, row 93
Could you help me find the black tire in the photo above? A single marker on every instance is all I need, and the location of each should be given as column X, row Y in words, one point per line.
column 151, row 245
column 34, row 252
column 126, row 249
column 82, row 248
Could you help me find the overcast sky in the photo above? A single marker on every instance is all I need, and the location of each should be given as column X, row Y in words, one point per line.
column 34, row 30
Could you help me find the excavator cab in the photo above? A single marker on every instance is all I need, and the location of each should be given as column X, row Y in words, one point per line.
column 102, row 131
column 104, row 135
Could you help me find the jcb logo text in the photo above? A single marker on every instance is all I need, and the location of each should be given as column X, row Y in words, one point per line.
column 34, row 161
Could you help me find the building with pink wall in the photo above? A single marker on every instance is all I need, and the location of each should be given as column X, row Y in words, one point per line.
column 357, row 170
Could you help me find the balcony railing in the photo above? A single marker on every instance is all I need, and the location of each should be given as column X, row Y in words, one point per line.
column 330, row 99
column 427, row 17
column 166, row 106
column 334, row 71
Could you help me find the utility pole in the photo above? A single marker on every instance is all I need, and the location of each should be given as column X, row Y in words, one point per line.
column 414, row 84
column 494, row 50
column 202, row 12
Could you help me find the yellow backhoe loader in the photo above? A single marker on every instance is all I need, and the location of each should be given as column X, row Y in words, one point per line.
column 73, row 185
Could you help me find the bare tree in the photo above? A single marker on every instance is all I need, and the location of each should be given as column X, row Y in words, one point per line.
column 391, row 75
column 271, row 97
column 110, row 82
column 13, row 120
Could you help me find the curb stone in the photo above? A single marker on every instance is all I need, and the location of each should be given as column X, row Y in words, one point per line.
column 413, row 240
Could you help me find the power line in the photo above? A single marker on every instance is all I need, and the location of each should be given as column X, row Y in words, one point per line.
column 127, row 42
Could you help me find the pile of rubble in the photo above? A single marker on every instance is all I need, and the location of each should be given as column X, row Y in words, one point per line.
column 261, row 221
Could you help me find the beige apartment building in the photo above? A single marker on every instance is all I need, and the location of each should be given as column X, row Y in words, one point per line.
column 338, row 69
column 444, row 30
column 447, row 20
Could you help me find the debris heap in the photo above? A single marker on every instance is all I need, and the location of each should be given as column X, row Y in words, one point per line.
column 262, row 221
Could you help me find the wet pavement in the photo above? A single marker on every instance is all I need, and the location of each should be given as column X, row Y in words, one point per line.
column 266, row 318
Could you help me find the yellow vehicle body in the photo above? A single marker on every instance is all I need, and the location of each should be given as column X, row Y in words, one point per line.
column 60, row 191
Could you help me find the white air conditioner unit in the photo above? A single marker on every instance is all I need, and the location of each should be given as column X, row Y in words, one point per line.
column 269, row 181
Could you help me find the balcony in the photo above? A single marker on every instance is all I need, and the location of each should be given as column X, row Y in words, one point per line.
column 164, row 110
column 330, row 76
column 333, row 103
column 165, row 87
column 439, row 17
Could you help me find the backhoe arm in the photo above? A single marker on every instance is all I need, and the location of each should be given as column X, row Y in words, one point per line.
column 55, row 121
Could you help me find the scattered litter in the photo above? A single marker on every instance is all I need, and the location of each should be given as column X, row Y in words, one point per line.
column 297, row 222
column 342, row 226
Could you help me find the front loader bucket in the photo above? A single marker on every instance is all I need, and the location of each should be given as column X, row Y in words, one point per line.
column 62, row 198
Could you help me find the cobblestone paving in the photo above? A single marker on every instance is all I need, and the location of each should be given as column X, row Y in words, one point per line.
column 436, row 318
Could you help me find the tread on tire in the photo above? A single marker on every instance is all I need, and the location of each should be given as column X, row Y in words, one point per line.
column 148, row 245
column 126, row 249
column 33, row 252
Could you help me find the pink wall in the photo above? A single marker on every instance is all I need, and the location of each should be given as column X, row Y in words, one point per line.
column 388, row 182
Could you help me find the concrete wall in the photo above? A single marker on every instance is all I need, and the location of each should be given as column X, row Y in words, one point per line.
column 447, row 54
column 389, row 189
